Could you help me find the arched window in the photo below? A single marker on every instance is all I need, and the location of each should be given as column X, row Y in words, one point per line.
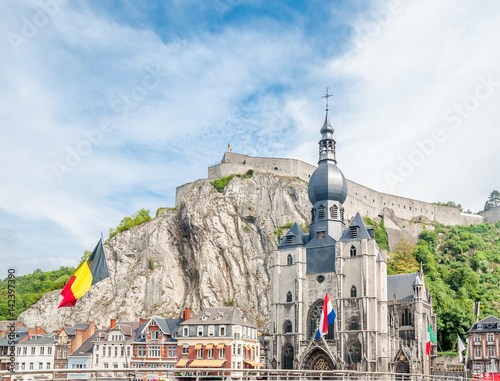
column 314, row 316
column 353, row 251
column 353, row 353
column 289, row 297
column 353, row 326
column 288, row 357
column 313, row 214
column 334, row 212
column 321, row 213
column 405, row 317
column 289, row 260
column 288, row 326
column 354, row 292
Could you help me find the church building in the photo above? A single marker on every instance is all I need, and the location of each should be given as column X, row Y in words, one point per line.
column 381, row 321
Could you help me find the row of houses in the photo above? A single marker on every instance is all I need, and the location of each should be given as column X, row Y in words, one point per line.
column 215, row 338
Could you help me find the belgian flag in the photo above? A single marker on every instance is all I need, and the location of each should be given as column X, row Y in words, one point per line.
column 93, row 270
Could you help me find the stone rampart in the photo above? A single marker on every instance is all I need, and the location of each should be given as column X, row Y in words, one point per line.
column 360, row 198
column 492, row 215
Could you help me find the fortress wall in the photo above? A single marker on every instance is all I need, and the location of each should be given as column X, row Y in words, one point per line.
column 360, row 198
column 181, row 190
column 492, row 215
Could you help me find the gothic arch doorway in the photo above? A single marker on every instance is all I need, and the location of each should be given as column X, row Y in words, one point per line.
column 318, row 359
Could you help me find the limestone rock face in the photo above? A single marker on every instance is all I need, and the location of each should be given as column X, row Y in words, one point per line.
column 212, row 250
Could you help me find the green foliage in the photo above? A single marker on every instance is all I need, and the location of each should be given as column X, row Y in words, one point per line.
column 449, row 203
column 220, row 184
column 379, row 233
column 129, row 222
column 151, row 264
column 30, row 288
column 85, row 256
column 461, row 265
column 402, row 260
column 493, row 200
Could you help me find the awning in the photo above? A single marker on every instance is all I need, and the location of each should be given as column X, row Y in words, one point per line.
column 198, row 346
column 181, row 363
column 209, row 346
column 220, row 346
column 253, row 363
column 207, row 363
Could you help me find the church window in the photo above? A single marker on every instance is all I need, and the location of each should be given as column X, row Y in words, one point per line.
column 353, row 232
column 313, row 214
column 353, row 353
column 354, row 292
column 289, row 259
column 406, row 318
column 289, row 297
column 289, row 239
column 321, row 278
column 314, row 316
column 353, row 251
column 288, row 326
column 353, row 326
column 321, row 234
column 321, row 213
column 334, row 212
column 288, row 357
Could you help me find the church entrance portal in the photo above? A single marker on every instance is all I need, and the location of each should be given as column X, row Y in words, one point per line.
column 318, row 359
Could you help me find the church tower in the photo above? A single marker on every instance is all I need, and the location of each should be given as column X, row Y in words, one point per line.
column 345, row 263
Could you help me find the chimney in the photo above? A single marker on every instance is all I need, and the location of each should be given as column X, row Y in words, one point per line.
column 39, row 330
column 187, row 314
column 112, row 323
column 30, row 332
column 91, row 328
column 2, row 333
column 77, row 341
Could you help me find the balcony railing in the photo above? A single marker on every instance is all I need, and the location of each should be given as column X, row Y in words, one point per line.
column 185, row 374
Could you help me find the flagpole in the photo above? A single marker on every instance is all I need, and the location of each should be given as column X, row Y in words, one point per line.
column 116, row 308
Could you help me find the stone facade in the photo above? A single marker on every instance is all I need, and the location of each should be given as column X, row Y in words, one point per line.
column 367, row 201
column 492, row 215
column 381, row 320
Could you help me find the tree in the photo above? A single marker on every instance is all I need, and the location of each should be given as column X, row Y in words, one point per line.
column 402, row 259
column 493, row 200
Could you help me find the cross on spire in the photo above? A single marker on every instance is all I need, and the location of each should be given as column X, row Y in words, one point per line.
column 327, row 96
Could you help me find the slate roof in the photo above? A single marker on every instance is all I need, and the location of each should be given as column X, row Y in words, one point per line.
column 129, row 329
column 402, row 285
column 168, row 326
column 298, row 237
column 230, row 315
column 490, row 324
column 21, row 333
column 362, row 230
column 87, row 346
column 41, row 339
column 71, row 331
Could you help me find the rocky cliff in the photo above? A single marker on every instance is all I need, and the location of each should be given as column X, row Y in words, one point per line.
column 212, row 250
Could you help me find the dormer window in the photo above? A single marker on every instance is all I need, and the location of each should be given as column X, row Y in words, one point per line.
column 205, row 316
column 370, row 231
column 479, row 326
column 353, row 232
column 334, row 212
column 219, row 315
column 353, row 251
column 321, row 234
column 290, row 239
column 321, row 213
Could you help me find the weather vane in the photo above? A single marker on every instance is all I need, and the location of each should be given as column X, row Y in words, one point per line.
column 326, row 96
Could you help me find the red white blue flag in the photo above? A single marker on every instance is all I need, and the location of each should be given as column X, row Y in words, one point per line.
column 327, row 318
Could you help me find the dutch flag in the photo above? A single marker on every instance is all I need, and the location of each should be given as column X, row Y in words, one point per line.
column 327, row 318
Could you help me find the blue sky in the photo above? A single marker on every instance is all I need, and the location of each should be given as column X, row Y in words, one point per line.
column 106, row 107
